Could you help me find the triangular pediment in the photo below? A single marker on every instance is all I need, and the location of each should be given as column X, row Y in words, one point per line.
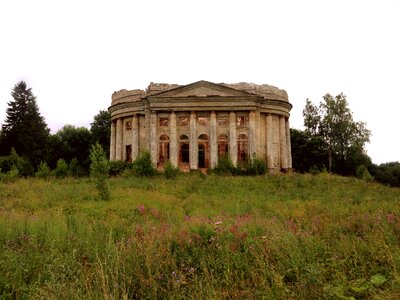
column 203, row 89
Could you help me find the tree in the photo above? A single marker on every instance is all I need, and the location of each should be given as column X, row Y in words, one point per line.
column 101, row 130
column 74, row 142
column 333, row 121
column 99, row 169
column 24, row 127
column 308, row 151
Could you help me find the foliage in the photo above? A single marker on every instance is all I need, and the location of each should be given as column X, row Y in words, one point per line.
column 225, row 166
column 101, row 130
column 363, row 173
column 9, row 176
column 117, row 167
column 75, row 169
column 61, row 170
column 388, row 173
column 333, row 121
column 169, row 170
column 14, row 160
column 287, row 236
column 99, row 169
column 308, row 151
column 249, row 167
column 74, row 142
column 24, row 128
column 43, row 171
column 143, row 166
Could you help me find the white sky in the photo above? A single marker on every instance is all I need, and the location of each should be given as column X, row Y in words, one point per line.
column 75, row 54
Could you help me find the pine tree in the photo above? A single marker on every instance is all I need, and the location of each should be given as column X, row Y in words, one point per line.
column 24, row 127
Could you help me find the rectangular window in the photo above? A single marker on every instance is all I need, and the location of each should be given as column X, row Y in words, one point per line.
column 128, row 125
column 164, row 122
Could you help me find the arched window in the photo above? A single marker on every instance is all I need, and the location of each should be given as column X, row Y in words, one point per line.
column 242, row 147
column 203, row 137
column 184, row 138
column 223, row 145
column 163, row 153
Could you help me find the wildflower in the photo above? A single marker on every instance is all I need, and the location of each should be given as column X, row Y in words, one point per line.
column 390, row 218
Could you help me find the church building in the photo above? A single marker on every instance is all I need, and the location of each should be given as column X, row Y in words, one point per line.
column 194, row 125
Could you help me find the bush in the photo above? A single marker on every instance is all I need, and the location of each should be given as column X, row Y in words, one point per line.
column 259, row 166
column 169, row 170
column 23, row 165
column 61, row 170
column 9, row 176
column 99, row 169
column 43, row 171
column 117, row 167
column 225, row 166
column 363, row 173
column 75, row 169
column 143, row 166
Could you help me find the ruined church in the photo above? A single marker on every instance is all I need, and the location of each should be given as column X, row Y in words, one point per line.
column 194, row 125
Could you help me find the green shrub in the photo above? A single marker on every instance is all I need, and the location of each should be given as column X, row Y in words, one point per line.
column 75, row 169
column 61, row 170
column 43, row 171
column 99, row 169
column 22, row 164
column 225, row 166
column 169, row 170
column 363, row 173
column 117, row 167
column 260, row 167
column 10, row 176
column 143, row 166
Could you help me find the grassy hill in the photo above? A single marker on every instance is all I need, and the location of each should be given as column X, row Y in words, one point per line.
column 286, row 236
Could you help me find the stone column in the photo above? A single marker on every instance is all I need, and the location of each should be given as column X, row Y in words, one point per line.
column 118, row 140
column 147, row 129
column 213, row 140
column 282, row 142
column 252, row 135
column 193, row 145
column 135, row 137
column 258, row 134
column 173, row 141
column 268, row 142
column 112, row 141
column 233, row 148
column 288, row 144
column 153, row 138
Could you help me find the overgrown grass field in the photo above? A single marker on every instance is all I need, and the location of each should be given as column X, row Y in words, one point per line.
column 200, row 237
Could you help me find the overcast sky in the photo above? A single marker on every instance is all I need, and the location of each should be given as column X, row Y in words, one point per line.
column 75, row 54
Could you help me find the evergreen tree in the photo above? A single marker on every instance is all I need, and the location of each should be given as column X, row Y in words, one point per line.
column 24, row 127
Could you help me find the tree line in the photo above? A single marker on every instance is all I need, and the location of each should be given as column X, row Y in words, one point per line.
column 332, row 141
column 26, row 141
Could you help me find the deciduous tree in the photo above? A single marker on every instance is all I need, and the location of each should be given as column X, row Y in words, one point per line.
column 333, row 121
column 101, row 130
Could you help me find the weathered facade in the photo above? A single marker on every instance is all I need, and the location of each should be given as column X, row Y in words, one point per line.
column 194, row 125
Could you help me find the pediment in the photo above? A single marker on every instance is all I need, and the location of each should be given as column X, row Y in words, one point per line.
column 203, row 89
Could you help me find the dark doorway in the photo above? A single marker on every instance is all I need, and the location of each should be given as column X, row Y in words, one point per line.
column 184, row 153
column 128, row 151
column 202, row 156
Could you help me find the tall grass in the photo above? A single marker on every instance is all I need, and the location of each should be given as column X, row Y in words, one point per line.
column 274, row 237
